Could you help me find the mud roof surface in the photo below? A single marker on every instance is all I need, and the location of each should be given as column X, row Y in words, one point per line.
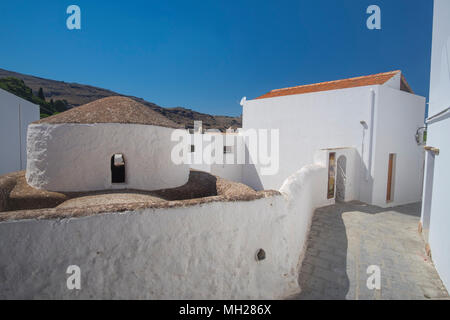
column 18, row 200
column 114, row 109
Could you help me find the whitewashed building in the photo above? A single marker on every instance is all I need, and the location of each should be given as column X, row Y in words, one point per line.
column 15, row 115
column 229, row 144
column 110, row 143
column 435, row 205
column 366, row 130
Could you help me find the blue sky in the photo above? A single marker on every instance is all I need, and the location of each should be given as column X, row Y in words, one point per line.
column 207, row 55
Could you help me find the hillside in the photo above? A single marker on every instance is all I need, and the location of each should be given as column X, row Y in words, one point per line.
column 78, row 94
column 20, row 89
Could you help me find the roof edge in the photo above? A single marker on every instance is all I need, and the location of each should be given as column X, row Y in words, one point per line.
column 29, row 102
column 404, row 86
column 388, row 74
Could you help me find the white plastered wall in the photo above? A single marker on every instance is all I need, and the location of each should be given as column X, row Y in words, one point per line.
column 439, row 137
column 398, row 116
column 352, row 170
column 15, row 115
column 204, row 251
column 439, row 223
column 229, row 166
column 76, row 157
column 307, row 123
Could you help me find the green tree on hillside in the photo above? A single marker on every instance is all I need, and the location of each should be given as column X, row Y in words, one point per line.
column 41, row 94
column 18, row 87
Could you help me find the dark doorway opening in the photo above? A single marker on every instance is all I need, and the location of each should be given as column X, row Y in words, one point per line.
column 117, row 168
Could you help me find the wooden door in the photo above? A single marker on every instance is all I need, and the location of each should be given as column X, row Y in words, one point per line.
column 390, row 177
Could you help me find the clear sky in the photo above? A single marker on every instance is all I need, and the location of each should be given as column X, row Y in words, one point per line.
column 207, row 55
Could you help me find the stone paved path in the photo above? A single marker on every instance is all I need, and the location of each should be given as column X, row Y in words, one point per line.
column 346, row 238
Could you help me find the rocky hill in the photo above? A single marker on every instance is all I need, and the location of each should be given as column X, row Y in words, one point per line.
column 78, row 94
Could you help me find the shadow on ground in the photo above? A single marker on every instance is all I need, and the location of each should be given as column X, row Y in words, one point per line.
column 346, row 238
column 323, row 274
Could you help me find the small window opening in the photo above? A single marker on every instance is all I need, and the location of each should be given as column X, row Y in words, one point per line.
column 117, row 168
column 192, row 148
column 227, row 149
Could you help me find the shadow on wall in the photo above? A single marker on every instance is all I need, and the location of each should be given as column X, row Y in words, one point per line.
column 252, row 177
column 250, row 172
column 365, row 181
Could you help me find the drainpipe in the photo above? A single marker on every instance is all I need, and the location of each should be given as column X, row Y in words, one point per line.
column 20, row 137
column 372, row 124
column 444, row 114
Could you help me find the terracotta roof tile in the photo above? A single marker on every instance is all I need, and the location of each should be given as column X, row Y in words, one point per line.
column 374, row 79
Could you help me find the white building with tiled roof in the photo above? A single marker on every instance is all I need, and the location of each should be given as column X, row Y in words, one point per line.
column 363, row 129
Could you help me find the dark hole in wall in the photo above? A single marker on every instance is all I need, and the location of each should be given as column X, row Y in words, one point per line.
column 260, row 255
column 117, row 171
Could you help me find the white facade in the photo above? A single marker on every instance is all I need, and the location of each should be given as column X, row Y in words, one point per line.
column 375, row 120
column 348, row 167
column 15, row 115
column 228, row 167
column 77, row 157
column 435, row 205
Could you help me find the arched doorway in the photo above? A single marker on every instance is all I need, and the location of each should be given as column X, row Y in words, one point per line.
column 341, row 178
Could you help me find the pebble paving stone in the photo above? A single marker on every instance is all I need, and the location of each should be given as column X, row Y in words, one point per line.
column 346, row 238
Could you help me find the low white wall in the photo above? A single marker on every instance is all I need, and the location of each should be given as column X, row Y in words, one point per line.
column 205, row 251
column 76, row 157
column 304, row 193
